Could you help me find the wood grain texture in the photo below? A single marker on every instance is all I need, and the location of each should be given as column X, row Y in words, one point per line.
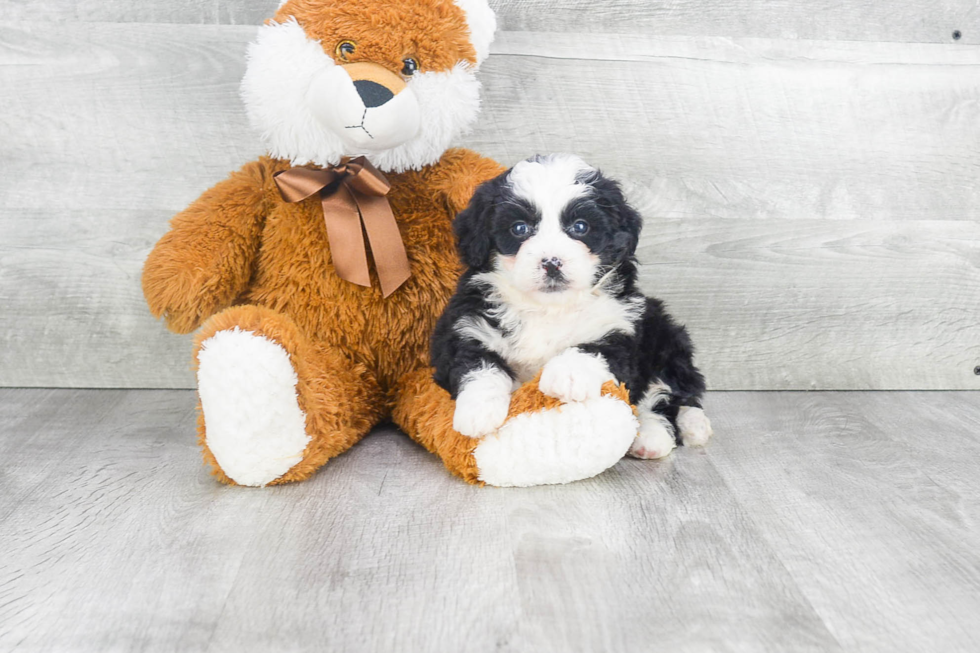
column 817, row 304
column 812, row 207
column 73, row 310
column 813, row 522
column 800, row 292
column 747, row 128
column 869, row 490
column 855, row 20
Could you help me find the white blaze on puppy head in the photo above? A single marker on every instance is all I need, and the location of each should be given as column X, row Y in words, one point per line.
column 328, row 79
column 550, row 261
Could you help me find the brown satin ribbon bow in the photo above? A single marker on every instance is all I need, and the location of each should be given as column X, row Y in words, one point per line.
column 358, row 198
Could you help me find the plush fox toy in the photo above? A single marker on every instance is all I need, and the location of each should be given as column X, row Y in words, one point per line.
column 318, row 272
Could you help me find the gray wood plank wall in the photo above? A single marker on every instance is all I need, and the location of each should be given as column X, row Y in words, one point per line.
column 809, row 179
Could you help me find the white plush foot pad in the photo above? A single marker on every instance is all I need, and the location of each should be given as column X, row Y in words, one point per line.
column 561, row 445
column 255, row 427
column 656, row 438
column 694, row 425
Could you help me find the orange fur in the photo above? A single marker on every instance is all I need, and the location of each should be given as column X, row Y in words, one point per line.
column 432, row 31
column 425, row 412
column 339, row 397
column 204, row 262
column 264, row 265
column 529, row 399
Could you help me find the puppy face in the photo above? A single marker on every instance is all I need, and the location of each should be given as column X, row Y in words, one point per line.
column 394, row 81
column 550, row 227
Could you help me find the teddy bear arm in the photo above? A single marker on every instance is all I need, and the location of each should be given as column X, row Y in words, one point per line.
column 543, row 441
column 205, row 261
column 461, row 171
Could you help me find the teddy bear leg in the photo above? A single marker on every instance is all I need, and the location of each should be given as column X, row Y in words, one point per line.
column 543, row 441
column 274, row 407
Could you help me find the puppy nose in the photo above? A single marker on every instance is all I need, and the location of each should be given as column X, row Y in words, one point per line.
column 372, row 94
column 552, row 267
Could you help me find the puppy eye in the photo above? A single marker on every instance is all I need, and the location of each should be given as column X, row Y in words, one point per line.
column 519, row 229
column 345, row 49
column 580, row 227
column 410, row 68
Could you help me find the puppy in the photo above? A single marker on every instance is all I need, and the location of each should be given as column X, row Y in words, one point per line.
column 551, row 288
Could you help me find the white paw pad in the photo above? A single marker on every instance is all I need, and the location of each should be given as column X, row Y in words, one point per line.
column 655, row 439
column 694, row 425
column 254, row 425
column 574, row 376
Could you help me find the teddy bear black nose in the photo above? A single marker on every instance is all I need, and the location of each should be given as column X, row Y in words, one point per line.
column 372, row 94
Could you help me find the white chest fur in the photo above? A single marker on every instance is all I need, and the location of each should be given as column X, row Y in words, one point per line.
column 533, row 333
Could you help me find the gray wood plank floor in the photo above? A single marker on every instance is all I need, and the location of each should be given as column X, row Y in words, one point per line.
column 813, row 522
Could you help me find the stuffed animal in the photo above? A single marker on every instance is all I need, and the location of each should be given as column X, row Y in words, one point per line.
column 317, row 273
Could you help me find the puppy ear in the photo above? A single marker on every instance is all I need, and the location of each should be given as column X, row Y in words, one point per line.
column 632, row 223
column 472, row 225
column 609, row 195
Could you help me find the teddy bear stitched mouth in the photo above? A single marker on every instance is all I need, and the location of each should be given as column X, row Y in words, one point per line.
column 372, row 95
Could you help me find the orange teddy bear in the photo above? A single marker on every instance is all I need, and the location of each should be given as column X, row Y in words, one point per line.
column 319, row 271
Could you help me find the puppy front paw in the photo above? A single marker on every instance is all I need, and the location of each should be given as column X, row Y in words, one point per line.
column 574, row 375
column 483, row 402
column 479, row 414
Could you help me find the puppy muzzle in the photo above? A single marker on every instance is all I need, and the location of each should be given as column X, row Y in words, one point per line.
column 367, row 106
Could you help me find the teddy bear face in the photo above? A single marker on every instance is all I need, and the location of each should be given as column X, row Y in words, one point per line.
column 394, row 81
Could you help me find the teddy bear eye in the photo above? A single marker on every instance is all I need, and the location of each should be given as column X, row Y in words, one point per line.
column 345, row 49
column 410, row 68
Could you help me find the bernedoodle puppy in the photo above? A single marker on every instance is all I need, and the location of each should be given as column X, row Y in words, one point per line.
column 552, row 288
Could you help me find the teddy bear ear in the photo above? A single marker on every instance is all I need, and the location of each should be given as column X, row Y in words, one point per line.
column 482, row 23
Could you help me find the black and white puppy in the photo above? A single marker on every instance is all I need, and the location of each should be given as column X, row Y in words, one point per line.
column 551, row 287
